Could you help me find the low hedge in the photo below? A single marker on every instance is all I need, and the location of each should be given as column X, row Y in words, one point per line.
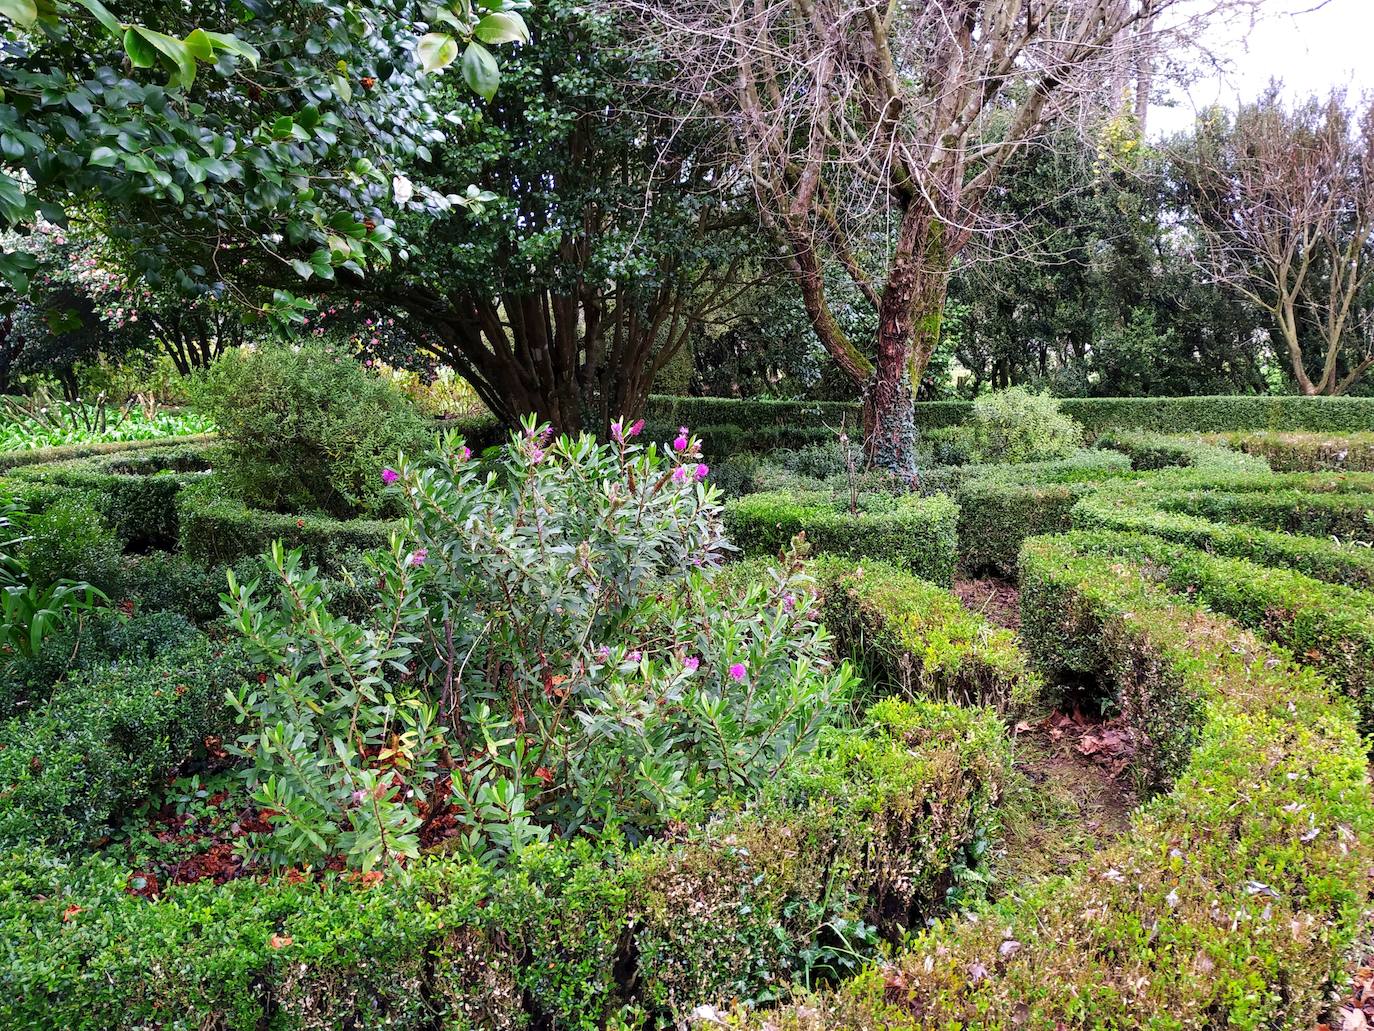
column 1232, row 900
column 44, row 455
column 996, row 518
column 106, row 736
column 872, row 830
column 1086, row 465
column 1303, row 452
column 918, row 534
column 1143, row 512
column 134, row 491
column 216, row 528
column 1343, row 514
column 920, row 639
column 1328, row 626
column 1149, row 451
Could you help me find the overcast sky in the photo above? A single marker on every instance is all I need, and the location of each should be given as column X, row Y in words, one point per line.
column 1310, row 50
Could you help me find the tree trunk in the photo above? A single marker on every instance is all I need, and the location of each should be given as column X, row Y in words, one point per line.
column 913, row 305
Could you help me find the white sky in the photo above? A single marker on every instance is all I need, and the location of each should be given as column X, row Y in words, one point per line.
column 1310, row 50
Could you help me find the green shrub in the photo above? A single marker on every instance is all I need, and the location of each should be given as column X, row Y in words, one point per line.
column 872, row 831
column 70, row 541
column 919, row 638
column 105, row 737
column 1328, row 626
column 918, row 534
column 1143, row 512
column 1082, row 465
column 1158, row 451
column 1231, row 901
column 306, row 430
column 996, row 517
column 1303, row 452
column 1017, row 426
column 43, row 456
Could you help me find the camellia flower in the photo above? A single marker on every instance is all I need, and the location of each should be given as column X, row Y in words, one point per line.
column 737, row 671
column 702, row 470
column 390, row 476
column 418, row 556
column 692, row 663
column 680, row 443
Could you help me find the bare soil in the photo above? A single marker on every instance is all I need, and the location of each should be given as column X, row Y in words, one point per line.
column 997, row 601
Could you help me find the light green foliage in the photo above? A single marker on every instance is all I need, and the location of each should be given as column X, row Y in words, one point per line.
column 64, row 423
column 554, row 621
column 1160, row 451
column 1303, row 452
column 306, row 429
column 1017, row 426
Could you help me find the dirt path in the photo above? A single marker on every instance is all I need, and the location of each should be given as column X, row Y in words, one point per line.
column 997, row 601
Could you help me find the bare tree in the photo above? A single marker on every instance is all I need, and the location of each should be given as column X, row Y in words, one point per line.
column 872, row 131
column 1284, row 200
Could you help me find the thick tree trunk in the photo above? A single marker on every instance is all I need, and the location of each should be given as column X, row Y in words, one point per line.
column 909, row 318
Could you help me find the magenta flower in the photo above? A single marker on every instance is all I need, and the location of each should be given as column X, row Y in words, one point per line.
column 790, row 603
column 679, row 474
column 418, row 556
column 537, row 455
column 618, row 430
column 390, row 476
column 637, row 428
column 737, row 671
column 603, row 653
column 680, row 443
column 634, row 656
column 465, row 453
column 692, row 663
column 702, row 470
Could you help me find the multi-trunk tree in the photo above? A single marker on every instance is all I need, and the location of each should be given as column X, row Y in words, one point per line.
column 873, row 133
column 1283, row 197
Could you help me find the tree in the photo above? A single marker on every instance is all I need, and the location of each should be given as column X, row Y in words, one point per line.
column 263, row 158
column 1284, row 197
column 604, row 250
column 874, row 133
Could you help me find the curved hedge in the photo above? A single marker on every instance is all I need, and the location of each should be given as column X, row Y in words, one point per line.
column 1234, row 897
column 871, row 830
column 44, row 455
column 1149, row 451
column 918, row 534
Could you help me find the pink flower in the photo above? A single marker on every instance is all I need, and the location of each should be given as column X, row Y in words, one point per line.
column 465, row 453
column 603, row 653
column 537, row 455
column 634, row 656
column 637, row 428
column 418, row 556
column 702, row 470
column 789, row 603
column 737, row 671
column 618, row 430
column 680, row 443
column 390, row 476
column 679, row 474
column 692, row 662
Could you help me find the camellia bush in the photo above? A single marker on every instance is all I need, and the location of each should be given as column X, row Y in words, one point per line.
column 547, row 655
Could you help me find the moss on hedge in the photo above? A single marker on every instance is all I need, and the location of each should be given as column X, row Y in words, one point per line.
column 1234, row 897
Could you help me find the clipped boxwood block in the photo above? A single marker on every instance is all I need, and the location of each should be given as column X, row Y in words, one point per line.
column 918, row 534
column 1303, row 452
column 1160, row 451
column 920, row 639
column 44, row 455
column 217, row 528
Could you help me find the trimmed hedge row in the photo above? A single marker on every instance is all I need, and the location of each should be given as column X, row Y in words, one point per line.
column 1144, row 513
column 1303, row 452
column 918, row 534
column 44, row 455
column 1085, row 466
column 1163, row 414
column 1233, row 899
column 216, row 528
column 135, row 492
column 919, row 638
column 1328, row 626
column 874, row 828
column 1149, row 451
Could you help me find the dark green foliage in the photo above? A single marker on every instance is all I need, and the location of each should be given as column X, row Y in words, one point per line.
column 914, row 533
column 910, row 635
column 218, row 528
column 995, row 517
column 169, row 582
column 869, row 833
column 307, row 430
column 106, row 736
column 70, row 541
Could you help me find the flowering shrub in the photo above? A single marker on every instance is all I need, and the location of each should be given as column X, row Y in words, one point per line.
column 548, row 655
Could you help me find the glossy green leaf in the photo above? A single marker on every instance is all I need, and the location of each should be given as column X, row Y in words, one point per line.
column 436, row 50
column 502, row 27
column 480, row 71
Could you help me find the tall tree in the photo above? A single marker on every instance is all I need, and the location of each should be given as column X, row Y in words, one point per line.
column 890, row 122
column 1284, row 197
column 600, row 251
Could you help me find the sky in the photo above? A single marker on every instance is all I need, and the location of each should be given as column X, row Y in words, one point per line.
column 1309, row 49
